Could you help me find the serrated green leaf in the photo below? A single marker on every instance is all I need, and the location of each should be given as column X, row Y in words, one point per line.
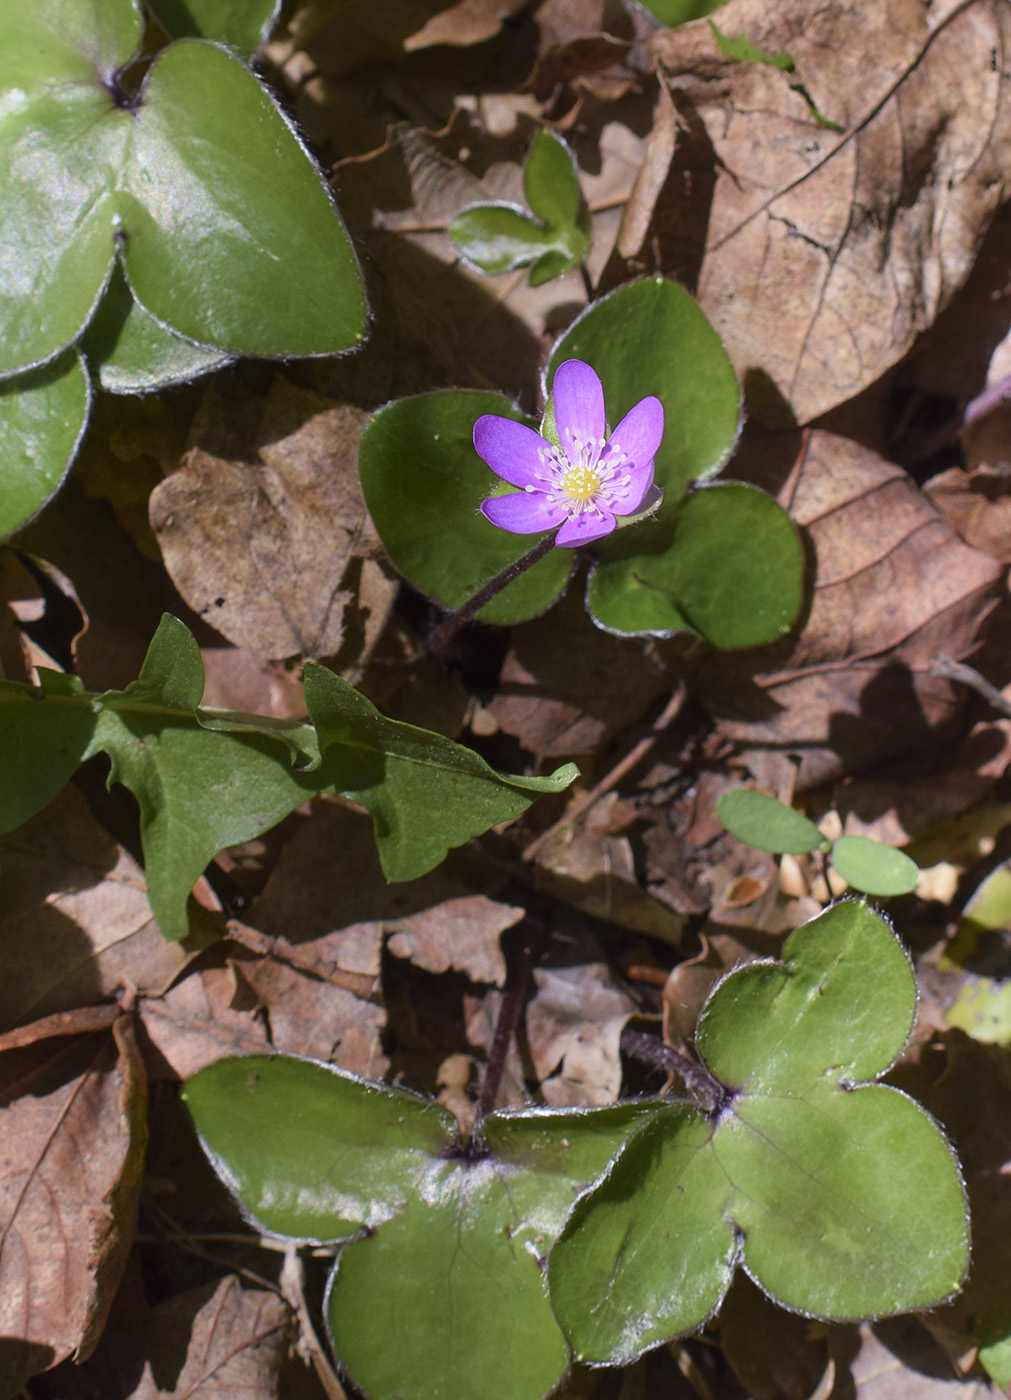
column 131, row 353
column 727, row 564
column 424, row 792
column 766, row 823
column 175, row 179
column 423, row 484
column 241, row 24
column 874, row 868
column 451, row 1270
column 43, row 416
column 842, row 1198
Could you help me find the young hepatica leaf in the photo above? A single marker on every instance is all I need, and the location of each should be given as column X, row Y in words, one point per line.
column 425, row 794
column 551, row 186
column 228, row 234
column 840, row 1197
column 43, row 415
column 241, row 24
column 727, row 564
column 874, row 868
column 131, row 353
column 767, row 824
column 423, row 484
column 499, row 237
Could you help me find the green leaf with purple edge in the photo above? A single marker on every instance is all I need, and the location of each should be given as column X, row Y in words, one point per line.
column 839, row 1195
column 447, row 1288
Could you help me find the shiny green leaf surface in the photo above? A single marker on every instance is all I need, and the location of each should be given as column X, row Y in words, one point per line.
column 727, row 564
column 423, row 485
column 841, row 1197
column 766, row 823
column 311, row 1152
column 448, row 1287
column 129, row 352
column 403, row 775
column 198, row 180
column 43, row 415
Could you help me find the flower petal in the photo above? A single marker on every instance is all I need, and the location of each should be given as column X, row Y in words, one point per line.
column 579, row 408
column 511, row 449
column 640, row 432
column 523, row 512
column 626, row 500
column 587, row 526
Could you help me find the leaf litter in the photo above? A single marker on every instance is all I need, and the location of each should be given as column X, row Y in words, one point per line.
column 834, row 263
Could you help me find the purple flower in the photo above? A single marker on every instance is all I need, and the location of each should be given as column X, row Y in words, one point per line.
column 585, row 484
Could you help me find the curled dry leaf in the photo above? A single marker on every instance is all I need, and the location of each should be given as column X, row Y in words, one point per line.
column 75, row 920
column 894, row 586
column 207, row 1015
column 827, row 251
column 264, row 529
column 461, row 933
column 74, row 1129
column 574, row 1026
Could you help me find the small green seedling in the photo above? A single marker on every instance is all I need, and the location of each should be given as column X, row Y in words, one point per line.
column 498, row 237
column 872, row 867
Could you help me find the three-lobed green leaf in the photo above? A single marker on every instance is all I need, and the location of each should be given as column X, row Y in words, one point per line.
column 840, row 1196
column 445, row 1285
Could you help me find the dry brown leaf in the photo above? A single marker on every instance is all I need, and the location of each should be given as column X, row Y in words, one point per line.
column 978, row 503
column 828, row 251
column 342, row 916
column 75, row 921
column 774, row 1354
column 894, row 587
column 216, row 1342
column 574, row 1024
column 466, row 22
column 74, row 1129
column 263, row 527
column 566, row 688
column 311, row 1017
column 461, row 933
column 208, row 1015
column 897, row 1359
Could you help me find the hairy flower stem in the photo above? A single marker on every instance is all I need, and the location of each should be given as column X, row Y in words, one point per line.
column 707, row 1091
column 441, row 636
column 520, row 957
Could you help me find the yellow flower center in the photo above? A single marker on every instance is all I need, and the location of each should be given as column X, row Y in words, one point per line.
column 581, row 483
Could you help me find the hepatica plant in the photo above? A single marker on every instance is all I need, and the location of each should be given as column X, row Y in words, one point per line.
column 717, row 558
column 485, row 1266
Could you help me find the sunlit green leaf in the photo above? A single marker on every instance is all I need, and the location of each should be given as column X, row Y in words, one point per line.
column 43, row 415
column 423, row 485
column 131, row 353
column 447, row 1289
column 874, row 868
column 241, row 24
column 841, row 1197
column 226, row 231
